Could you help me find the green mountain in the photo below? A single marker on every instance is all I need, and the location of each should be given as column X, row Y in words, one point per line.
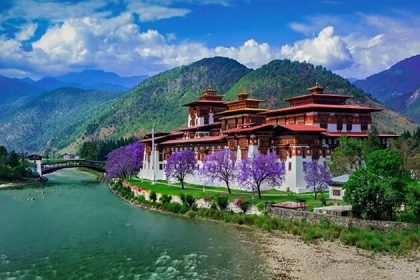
column 158, row 99
column 280, row 79
column 51, row 120
column 283, row 78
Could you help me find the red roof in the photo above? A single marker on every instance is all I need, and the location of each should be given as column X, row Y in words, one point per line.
column 322, row 106
column 211, row 102
column 302, row 128
column 318, row 95
column 356, row 134
column 195, row 140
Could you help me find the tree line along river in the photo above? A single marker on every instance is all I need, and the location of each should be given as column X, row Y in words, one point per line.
column 73, row 227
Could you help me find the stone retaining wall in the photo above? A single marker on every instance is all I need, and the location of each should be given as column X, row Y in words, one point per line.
column 297, row 215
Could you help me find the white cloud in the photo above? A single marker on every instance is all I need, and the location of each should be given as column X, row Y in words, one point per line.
column 251, row 53
column 326, row 49
column 148, row 12
column 26, row 32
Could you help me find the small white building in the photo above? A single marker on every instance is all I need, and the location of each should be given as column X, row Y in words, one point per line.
column 68, row 156
column 336, row 190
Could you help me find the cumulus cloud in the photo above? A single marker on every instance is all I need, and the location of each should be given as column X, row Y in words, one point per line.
column 374, row 42
column 326, row 49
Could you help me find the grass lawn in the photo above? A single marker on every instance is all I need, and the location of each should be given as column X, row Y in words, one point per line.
column 272, row 195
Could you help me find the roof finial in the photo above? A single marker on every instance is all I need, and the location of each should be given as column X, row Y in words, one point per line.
column 317, row 88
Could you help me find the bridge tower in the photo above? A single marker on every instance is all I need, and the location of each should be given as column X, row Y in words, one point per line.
column 37, row 160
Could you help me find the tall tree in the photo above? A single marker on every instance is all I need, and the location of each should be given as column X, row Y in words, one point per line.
column 179, row 165
column 379, row 189
column 13, row 159
column 255, row 171
column 220, row 167
column 317, row 177
column 124, row 161
column 3, row 155
column 347, row 156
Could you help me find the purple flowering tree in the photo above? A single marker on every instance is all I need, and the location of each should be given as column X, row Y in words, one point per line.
column 179, row 165
column 254, row 171
column 125, row 160
column 220, row 167
column 317, row 177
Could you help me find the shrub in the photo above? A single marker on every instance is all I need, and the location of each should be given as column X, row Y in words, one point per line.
column 184, row 209
column 153, row 196
column 165, row 198
column 172, row 207
column 244, row 204
column 261, row 206
column 187, row 200
column 323, row 199
column 213, row 206
column 222, row 201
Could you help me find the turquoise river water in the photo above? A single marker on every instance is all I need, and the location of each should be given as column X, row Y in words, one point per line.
column 73, row 227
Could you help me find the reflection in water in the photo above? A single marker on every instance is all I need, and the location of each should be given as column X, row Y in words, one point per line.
column 74, row 228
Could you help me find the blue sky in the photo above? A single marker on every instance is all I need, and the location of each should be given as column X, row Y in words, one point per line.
column 351, row 38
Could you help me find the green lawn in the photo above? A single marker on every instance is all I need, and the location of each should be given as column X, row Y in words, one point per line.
column 272, row 195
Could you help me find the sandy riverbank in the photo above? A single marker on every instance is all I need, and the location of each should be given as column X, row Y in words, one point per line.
column 290, row 258
column 9, row 185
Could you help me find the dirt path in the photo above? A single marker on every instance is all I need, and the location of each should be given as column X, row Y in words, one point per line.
column 290, row 258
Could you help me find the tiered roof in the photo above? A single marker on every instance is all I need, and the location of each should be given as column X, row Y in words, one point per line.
column 318, row 100
column 209, row 96
column 243, row 105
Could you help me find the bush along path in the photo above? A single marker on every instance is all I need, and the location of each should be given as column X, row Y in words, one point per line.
column 401, row 242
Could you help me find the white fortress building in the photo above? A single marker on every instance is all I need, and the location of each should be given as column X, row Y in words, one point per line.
column 306, row 130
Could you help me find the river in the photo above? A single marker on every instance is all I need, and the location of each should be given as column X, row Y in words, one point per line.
column 73, row 227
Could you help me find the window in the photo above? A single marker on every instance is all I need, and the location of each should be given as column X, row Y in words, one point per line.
column 339, row 124
column 323, row 122
column 303, row 153
column 349, row 124
column 290, row 166
column 336, row 192
column 364, row 124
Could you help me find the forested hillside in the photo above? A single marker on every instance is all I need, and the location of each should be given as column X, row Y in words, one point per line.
column 50, row 121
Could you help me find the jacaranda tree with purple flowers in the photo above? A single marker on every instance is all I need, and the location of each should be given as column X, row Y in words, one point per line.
column 179, row 165
column 254, row 171
column 317, row 177
column 124, row 161
column 219, row 167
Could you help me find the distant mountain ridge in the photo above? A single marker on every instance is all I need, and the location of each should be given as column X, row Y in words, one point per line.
column 12, row 89
column 397, row 87
column 408, row 104
column 401, row 78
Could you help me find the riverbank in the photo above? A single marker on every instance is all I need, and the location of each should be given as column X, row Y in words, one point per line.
column 288, row 257
column 23, row 182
